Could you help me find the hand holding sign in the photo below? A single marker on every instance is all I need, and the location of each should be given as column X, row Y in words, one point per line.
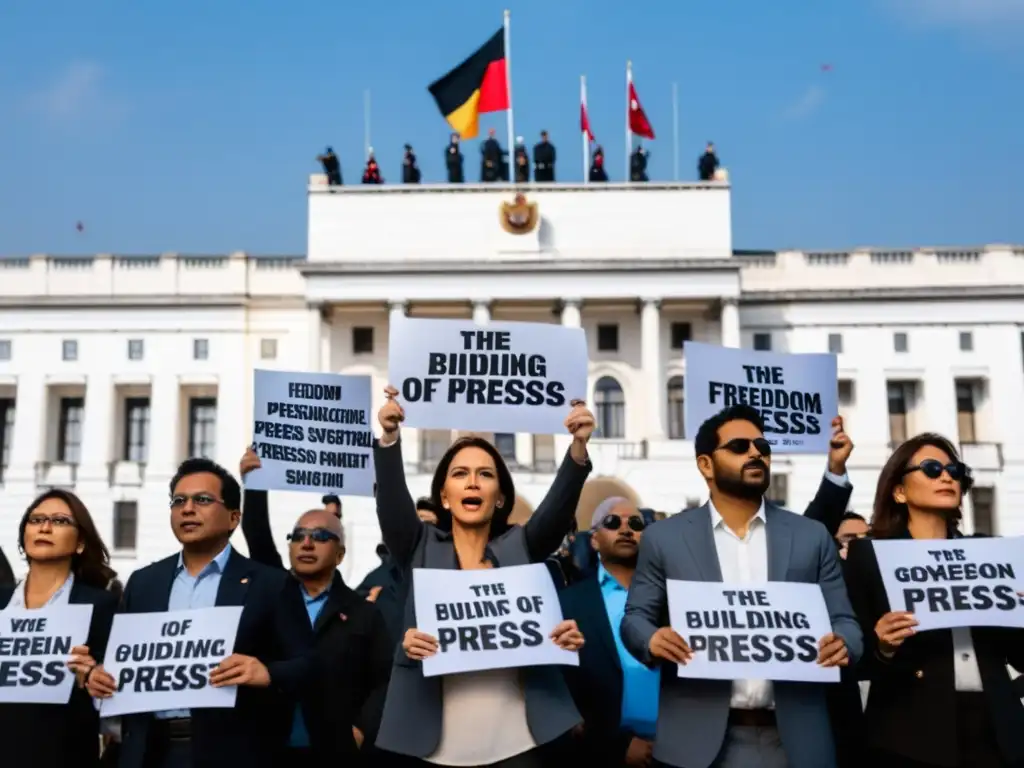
column 238, row 669
column 892, row 629
column 832, row 651
column 390, row 416
column 580, row 422
column 99, row 683
column 250, row 461
column 419, row 645
column 668, row 645
column 81, row 663
column 567, row 635
column 840, row 447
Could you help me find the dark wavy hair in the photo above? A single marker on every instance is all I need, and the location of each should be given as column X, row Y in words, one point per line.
column 92, row 566
column 890, row 519
column 499, row 523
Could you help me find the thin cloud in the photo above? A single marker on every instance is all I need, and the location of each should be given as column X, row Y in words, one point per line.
column 76, row 93
column 805, row 106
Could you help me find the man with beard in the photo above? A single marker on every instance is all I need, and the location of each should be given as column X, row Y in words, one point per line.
column 737, row 538
column 616, row 694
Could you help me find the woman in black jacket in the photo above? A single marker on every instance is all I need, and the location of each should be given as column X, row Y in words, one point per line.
column 67, row 564
column 941, row 697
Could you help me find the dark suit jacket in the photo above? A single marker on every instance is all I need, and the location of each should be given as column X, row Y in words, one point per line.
column 48, row 736
column 413, row 711
column 274, row 628
column 6, row 574
column 829, row 505
column 351, row 648
column 391, row 599
column 911, row 710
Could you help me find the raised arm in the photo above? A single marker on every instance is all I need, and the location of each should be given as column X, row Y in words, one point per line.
column 256, row 517
column 400, row 526
column 547, row 526
column 833, row 497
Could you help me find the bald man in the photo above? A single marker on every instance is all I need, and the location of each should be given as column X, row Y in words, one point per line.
column 342, row 711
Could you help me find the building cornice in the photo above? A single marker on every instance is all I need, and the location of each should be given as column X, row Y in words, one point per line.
column 312, row 269
column 895, row 293
column 191, row 301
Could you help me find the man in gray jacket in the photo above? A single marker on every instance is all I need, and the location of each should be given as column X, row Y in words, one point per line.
column 737, row 537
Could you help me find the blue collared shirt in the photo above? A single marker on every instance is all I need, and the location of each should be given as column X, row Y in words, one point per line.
column 314, row 605
column 640, row 685
column 189, row 592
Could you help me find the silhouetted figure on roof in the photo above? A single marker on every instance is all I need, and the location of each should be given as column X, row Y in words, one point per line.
column 544, row 160
column 521, row 162
column 453, row 160
column 597, row 171
column 708, row 163
column 371, row 174
column 638, row 165
column 493, row 160
column 410, row 171
column 332, row 167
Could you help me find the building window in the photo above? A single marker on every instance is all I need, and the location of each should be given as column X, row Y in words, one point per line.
column 69, row 350
column 69, row 430
column 200, row 349
column 965, row 412
column 608, row 337
column 835, row 343
column 135, row 349
column 202, row 427
column 680, row 333
column 676, row 411
column 6, row 431
column 544, row 459
column 5, row 350
column 899, row 342
column 778, row 490
column 433, row 444
column 610, row 408
column 983, row 500
column 966, row 341
column 505, row 442
column 362, row 341
column 846, row 396
column 136, row 429
column 898, row 392
column 268, row 349
column 763, row 342
column 126, row 517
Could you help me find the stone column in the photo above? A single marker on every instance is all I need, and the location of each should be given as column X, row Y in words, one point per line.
column 28, row 445
column 571, row 315
column 315, row 338
column 730, row 323
column 166, row 445
column 98, row 430
column 650, row 363
column 481, row 311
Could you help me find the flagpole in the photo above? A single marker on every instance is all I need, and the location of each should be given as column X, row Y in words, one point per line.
column 508, row 83
column 583, row 129
column 629, row 133
column 675, row 130
column 366, row 123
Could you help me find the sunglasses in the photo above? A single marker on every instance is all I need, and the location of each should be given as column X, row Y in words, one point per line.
column 741, row 446
column 319, row 535
column 933, row 469
column 39, row 521
column 614, row 522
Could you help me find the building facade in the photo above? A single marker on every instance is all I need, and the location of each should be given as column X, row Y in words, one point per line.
column 114, row 368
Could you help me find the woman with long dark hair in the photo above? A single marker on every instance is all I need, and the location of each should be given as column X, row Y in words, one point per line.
column 67, row 564
column 941, row 697
column 497, row 717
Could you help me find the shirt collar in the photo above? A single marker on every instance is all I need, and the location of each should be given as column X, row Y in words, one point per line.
column 716, row 517
column 217, row 565
column 310, row 599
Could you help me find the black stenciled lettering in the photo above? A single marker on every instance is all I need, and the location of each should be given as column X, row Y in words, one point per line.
column 21, row 646
column 274, row 430
column 315, row 479
column 505, row 635
column 16, row 673
column 471, row 610
column 316, row 392
column 785, row 411
column 749, row 619
column 28, row 625
column 755, row 647
column 165, row 678
column 945, row 598
column 318, row 413
column 162, row 650
column 938, row 572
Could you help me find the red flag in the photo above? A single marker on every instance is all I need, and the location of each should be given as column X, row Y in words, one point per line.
column 638, row 122
column 585, row 122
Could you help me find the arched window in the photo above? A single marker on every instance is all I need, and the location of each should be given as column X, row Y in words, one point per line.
column 676, row 410
column 609, row 408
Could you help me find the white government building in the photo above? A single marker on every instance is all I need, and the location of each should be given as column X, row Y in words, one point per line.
column 113, row 368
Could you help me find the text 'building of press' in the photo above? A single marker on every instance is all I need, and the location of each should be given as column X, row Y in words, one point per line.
column 114, row 368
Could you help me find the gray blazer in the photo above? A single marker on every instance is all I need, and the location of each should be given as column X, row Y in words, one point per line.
column 412, row 713
column 693, row 714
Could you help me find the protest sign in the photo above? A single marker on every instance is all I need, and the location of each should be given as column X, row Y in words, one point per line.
column 312, row 433
column 162, row 661
column 35, row 648
column 767, row 632
column 489, row 619
column 949, row 583
column 797, row 395
column 502, row 377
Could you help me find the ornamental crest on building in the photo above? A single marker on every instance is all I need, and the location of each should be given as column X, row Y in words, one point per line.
column 520, row 217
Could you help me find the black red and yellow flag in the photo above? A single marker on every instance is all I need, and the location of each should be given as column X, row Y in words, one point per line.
column 477, row 86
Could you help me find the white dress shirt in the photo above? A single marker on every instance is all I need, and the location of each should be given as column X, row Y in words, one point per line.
column 744, row 561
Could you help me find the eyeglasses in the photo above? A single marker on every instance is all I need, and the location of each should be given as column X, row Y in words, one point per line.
column 199, row 499
column 933, row 468
column 319, row 535
column 614, row 522
column 38, row 521
column 741, row 445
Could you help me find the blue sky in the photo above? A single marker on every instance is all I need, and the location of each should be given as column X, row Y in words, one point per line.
column 191, row 126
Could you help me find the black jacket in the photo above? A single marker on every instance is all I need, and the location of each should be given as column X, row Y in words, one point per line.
column 6, row 573
column 352, row 652
column 911, row 710
column 49, row 736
